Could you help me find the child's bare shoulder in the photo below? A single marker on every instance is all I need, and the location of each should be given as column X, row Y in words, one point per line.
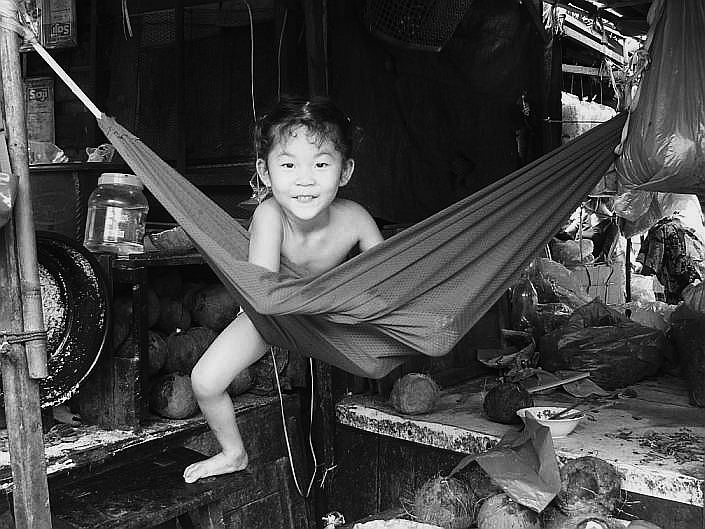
column 268, row 212
column 357, row 222
column 349, row 210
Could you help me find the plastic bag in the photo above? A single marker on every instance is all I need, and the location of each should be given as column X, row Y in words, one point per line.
column 642, row 288
column 565, row 285
column 571, row 253
column 45, row 152
column 102, row 153
column 643, row 209
column 616, row 351
column 8, row 192
column 654, row 314
column 664, row 149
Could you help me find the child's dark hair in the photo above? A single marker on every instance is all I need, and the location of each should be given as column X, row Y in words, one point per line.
column 319, row 115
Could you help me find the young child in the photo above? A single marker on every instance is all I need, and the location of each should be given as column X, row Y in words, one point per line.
column 304, row 155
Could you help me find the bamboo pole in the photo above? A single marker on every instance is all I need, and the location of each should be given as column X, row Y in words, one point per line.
column 13, row 92
column 17, row 270
column 21, row 395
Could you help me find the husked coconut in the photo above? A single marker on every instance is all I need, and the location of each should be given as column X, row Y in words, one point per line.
column 166, row 281
column 642, row 524
column 503, row 400
column 241, row 383
column 414, row 393
column 445, row 502
column 588, row 485
column 501, row 512
column 156, row 354
column 172, row 316
column 553, row 518
column 171, row 396
column 182, row 352
column 214, row 307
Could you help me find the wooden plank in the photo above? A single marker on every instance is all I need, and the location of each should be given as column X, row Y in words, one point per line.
column 618, row 435
column 575, row 29
column 589, row 70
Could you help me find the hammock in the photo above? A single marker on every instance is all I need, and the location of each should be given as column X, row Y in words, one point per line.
column 416, row 293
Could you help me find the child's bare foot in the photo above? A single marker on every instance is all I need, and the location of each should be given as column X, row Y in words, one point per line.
column 215, row 466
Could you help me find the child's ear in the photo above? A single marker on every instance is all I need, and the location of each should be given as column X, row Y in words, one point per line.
column 348, row 168
column 262, row 172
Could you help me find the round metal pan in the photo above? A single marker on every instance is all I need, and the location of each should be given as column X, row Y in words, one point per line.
column 76, row 314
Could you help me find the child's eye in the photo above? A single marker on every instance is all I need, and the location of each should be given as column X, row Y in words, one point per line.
column 321, row 165
column 288, row 165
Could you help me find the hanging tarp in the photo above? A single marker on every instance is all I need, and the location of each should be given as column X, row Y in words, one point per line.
column 664, row 149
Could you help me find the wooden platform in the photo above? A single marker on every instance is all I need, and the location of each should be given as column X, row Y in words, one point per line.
column 87, row 447
column 633, row 434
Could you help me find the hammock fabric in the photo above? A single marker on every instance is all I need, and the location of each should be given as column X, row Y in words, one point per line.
column 416, row 293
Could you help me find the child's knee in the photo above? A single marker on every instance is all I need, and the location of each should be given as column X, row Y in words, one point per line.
column 201, row 384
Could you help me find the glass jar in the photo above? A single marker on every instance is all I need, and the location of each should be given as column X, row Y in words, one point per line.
column 117, row 214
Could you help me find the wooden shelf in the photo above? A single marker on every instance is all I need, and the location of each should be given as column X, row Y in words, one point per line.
column 617, row 434
column 90, row 447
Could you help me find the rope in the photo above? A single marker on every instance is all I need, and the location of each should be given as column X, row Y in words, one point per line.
column 9, row 20
column 12, row 338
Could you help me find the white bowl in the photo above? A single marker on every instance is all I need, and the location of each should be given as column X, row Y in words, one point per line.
column 559, row 427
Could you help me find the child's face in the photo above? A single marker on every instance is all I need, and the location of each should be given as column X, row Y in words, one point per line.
column 304, row 173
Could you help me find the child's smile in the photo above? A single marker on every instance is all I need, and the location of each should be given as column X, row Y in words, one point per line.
column 304, row 174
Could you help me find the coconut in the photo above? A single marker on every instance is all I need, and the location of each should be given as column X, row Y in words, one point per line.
column 414, row 393
column 188, row 293
column 156, row 354
column 503, row 400
column 171, row 396
column 121, row 329
column 241, row 383
column 153, row 308
column 122, row 319
column 588, row 485
column 214, row 307
column 642, row 524
column 182, row 352
column 172, row 316
column 501, row 512
column 445, row 502
column 166, row 282
column 553, row 518
column 203, row 336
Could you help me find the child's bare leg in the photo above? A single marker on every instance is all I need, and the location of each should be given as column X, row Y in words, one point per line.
column 236, row 348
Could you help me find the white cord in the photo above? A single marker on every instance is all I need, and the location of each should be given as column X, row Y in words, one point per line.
column 252, row 61
column 286, row 433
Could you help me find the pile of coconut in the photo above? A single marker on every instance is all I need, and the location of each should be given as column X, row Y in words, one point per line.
column 589, row 495
column 183, row 319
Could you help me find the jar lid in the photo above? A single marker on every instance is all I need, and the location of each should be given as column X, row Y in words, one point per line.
column 120, row 179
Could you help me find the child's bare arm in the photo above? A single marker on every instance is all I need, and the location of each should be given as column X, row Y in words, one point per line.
column 369, row 234
column 266, row 235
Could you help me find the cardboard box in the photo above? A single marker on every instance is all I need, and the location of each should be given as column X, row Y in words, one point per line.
column 606, row 282
column 39, row 108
